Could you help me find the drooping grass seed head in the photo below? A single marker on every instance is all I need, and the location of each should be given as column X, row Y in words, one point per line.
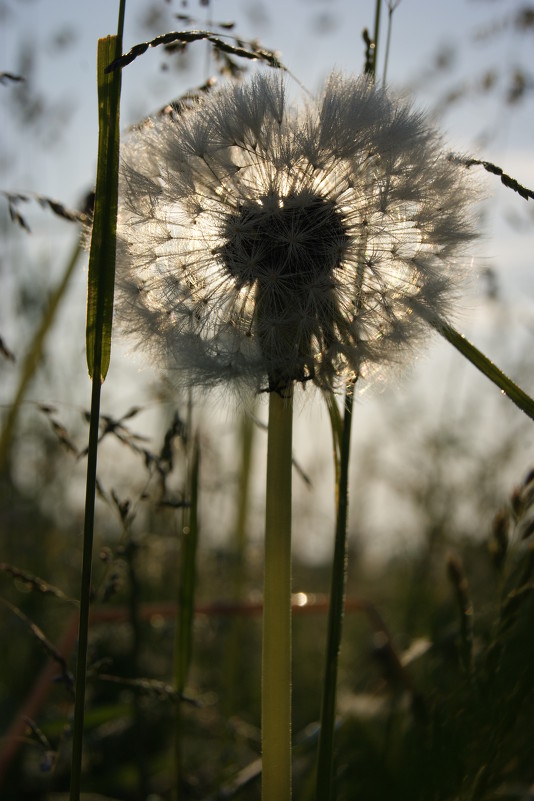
column 264, row 244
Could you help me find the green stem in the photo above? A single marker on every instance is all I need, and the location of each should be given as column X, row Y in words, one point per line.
column 325, row 756
column 102, row 254
column 183, row 643
column 490, row 370
column 276, row 660
column 85, row 590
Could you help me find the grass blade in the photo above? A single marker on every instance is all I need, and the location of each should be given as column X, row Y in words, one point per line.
column 34, row 356
column 99, row 317
column 490, row 370
column 102, row 254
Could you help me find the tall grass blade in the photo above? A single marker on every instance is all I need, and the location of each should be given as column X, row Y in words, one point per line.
column 99, row 315
column 102, row 254
column 34, row 355
column 490, row 370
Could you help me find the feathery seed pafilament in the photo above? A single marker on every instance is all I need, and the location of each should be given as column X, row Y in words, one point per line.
column 265, row 244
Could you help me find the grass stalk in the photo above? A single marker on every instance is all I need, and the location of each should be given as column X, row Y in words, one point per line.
column 183, row 644
column 325, row 754
column 486, row 366
column 98, row 334
column 233, row 660
column 85, row 592
column 276, row 654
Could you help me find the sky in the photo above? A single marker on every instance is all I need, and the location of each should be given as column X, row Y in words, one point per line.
column 312, row 36
column 484, row 57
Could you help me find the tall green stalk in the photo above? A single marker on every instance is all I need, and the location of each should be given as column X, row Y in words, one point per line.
column 325, row 756
column 276, row 656
column 486, row 366
column 341, row 432
column 99, row 315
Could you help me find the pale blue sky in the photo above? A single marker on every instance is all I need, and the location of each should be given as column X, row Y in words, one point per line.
column 313, row 36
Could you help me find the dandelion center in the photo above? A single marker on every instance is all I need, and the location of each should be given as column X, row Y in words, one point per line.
column 287, row 249
column 294, row 241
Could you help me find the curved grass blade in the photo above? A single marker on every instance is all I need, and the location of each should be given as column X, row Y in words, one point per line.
column 34, row 355
column 490, row 370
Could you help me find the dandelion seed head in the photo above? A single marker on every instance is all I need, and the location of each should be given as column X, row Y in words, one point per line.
column 263, row 244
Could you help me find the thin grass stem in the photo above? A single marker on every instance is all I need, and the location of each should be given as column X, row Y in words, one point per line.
column 183, row 649
column 276, row 658
column 85, row 591
column 325, row 755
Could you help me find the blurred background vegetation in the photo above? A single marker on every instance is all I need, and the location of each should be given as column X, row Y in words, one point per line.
column 437, row 664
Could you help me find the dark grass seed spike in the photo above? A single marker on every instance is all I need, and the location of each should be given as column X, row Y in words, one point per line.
column 34, row 582
column 507, row 180
column 50, row 649
column 15, row 198
column 10, row 77
column 185, row 38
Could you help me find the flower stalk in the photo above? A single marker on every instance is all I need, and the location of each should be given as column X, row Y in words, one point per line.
column 276, row 658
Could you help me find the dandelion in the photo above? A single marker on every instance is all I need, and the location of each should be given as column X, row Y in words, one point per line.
column 265, row 245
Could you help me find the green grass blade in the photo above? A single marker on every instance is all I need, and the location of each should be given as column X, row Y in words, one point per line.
column 188, row 579
column 102, row 254
column 34, row 355
column 490, row 370
column 99, row 318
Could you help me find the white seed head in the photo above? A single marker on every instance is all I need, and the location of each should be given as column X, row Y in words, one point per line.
column 264, row 244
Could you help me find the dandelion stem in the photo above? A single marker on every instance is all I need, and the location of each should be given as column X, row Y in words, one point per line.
column 276, row 660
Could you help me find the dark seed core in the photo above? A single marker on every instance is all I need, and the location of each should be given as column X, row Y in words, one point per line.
column 285, row 251
column 299, row 239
